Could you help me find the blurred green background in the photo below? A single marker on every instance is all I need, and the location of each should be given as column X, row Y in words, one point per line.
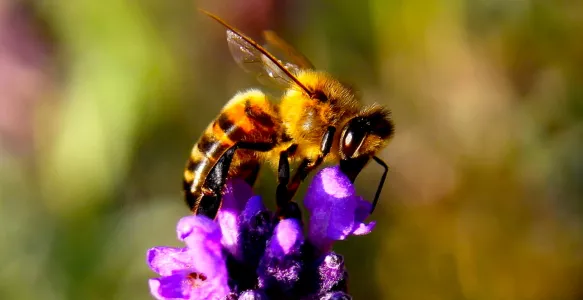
column 101, row 101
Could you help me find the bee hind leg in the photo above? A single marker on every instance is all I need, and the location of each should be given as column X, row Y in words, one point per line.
column 211, row 199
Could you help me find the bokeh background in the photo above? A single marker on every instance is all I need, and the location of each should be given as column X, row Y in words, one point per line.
column 101, row 101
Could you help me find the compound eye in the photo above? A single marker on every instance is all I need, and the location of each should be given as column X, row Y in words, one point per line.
column 353, row 139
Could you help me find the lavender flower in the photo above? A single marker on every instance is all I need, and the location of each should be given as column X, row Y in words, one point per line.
column 336, row 211
column 195, row 272
column 248, row 253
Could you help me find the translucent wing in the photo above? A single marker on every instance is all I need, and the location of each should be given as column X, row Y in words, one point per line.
column 252, row 57
column 253, row 61
column 290, row 53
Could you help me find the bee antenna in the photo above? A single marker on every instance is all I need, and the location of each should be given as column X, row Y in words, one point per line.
column 381, row 183
column 260, row 49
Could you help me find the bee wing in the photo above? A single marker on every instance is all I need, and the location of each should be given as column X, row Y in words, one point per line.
column 296, row 58
column 252, row 60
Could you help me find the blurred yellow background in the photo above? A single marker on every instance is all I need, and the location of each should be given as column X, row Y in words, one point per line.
column 101, row 101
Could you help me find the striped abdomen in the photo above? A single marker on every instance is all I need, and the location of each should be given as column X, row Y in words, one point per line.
column 248, row 117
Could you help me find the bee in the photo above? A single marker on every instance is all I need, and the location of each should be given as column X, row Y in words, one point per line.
column 318, row 120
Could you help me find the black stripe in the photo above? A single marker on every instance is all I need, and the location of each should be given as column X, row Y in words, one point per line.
column 234, row 132
column 258, row 115
column 190, row 199
column 191, row 164
column 206, row 143
column 186, row 185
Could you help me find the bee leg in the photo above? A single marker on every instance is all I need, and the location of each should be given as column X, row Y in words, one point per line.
column 285, row 207
column 307, row 165
column 286, row 189
column 304, row 169
column 210, row 201
column 327, row 140
column 381, row 183
column 283, row 174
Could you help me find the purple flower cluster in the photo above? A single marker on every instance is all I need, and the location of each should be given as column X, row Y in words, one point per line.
column 248, row 253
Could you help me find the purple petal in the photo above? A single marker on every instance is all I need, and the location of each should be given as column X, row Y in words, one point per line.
column 200, row 234
column 170, row 287
column 236, row 196
column 336, row 211
column 213, row 289
column 166, row 260
column 254, row 205
column 230, row 230
column 255, row 234
column 207, row 260
column 281, row 265
column 330, row 182
column 175, row 264
column 286, row 237
column 363, row 208
column 196, row 272
column 197, row 227
column 189, row 285
column 363, row 228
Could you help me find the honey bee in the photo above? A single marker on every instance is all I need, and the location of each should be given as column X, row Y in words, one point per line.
column 318, row 120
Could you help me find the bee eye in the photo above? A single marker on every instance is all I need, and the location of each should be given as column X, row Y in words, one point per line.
column 352, row 139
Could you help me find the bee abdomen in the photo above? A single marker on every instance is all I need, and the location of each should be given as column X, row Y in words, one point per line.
column 202, row 158
column 248, row 117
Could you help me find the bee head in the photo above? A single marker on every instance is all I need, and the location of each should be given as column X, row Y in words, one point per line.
column 366, row 134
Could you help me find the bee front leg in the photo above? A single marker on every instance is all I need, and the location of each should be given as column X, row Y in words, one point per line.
column 308, row 165
column 305, row 168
